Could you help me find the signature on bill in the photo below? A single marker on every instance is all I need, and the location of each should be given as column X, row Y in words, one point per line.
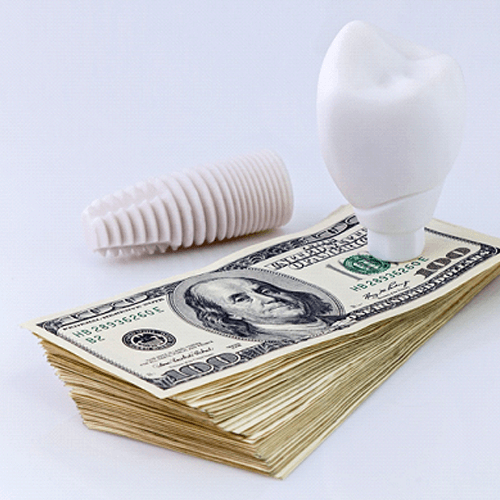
column 392, row 288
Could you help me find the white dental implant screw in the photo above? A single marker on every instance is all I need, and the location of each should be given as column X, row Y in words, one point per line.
column 390, row 120
column 241, row 196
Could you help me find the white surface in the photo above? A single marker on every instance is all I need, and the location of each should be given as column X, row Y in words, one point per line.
column 95, row 96
column 253, row 193
column 390, row 121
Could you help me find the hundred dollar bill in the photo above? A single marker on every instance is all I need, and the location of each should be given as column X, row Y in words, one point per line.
column 263, row 302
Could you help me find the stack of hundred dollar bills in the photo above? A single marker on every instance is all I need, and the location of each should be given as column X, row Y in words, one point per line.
column 254, row 360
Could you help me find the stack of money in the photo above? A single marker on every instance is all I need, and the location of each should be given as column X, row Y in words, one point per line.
column 254, row 360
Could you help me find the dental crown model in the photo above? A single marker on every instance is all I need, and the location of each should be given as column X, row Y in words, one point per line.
column 390, row 118
column 241, row 196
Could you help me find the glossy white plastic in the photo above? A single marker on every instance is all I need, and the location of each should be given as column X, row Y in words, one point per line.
column 244, row 195
column 390, row 119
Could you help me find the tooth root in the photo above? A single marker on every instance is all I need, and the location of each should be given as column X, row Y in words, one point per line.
column 197, row 206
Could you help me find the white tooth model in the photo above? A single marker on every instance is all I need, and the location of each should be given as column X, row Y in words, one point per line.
column 390, row 118
column 244, row 195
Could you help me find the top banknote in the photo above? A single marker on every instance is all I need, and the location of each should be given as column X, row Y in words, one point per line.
column 262, row 303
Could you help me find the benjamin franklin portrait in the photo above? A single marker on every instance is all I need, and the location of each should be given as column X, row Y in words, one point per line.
column 254, row 304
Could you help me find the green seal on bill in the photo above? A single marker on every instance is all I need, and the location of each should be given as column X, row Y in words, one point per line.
column 365, row 264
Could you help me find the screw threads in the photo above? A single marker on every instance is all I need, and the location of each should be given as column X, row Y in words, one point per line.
column 240, row 196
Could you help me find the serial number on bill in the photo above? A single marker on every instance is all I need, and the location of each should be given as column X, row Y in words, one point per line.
column 123, row 320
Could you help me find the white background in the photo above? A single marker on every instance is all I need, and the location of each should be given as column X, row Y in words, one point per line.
column 98, row 95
